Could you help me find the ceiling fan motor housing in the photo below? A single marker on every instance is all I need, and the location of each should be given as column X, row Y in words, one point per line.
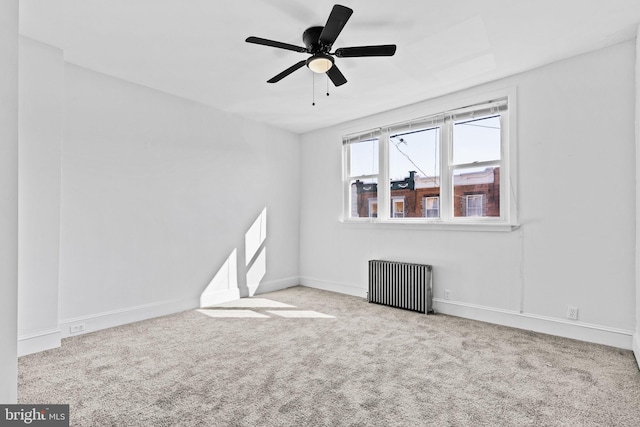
column 311, row 39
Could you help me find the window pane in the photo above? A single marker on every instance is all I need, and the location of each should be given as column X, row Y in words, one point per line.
column 414, row 170
column 373, row 208
column 474, row 204
column 364, row 158
column 417, row 150
column 432, row 207
column 397, row 207
column 476, row 140
column 364, row 198
column 476, row 192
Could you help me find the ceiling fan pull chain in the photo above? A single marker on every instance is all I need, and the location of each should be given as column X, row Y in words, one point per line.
column 327, row 79
column 313, row 89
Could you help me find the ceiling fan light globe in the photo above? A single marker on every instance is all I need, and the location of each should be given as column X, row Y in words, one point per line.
column 320, row 63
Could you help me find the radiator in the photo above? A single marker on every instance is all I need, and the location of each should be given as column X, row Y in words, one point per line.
column 401, row 284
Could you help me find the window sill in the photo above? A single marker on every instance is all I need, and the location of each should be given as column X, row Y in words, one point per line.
column 435, row 225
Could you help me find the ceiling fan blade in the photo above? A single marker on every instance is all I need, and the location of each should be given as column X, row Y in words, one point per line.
column 336, row 22
column 336, row 76
column 286, row 72
column 353, row 52
column 272, row 43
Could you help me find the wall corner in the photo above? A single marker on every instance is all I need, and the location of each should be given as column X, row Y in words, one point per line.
column 636, row 336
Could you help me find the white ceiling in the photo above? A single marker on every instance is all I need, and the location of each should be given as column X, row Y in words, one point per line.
column 196, row 49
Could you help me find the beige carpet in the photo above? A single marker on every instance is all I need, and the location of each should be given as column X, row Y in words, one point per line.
column 338, row 361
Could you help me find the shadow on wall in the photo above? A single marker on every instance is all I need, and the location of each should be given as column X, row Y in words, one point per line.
column 231, row 282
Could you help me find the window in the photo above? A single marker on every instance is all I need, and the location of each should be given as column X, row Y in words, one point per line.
column 373, row 208
column 397, row 207
column 432, row 207
column 450, row 167
column 474, row 205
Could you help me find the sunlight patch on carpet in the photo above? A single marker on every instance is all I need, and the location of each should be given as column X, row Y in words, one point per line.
column 232, row 313
column 301, row 313
column 254, row 302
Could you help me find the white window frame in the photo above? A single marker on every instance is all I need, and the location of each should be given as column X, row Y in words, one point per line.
column 490, row 104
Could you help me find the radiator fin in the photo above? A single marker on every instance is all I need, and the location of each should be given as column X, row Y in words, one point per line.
column 401, row 284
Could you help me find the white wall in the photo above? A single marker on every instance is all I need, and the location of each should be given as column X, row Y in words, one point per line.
column 8, row 200
column 576, row 198
column 41, row 93
column 158, row 194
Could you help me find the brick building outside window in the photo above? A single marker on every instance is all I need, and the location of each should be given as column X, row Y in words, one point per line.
column 476, row 193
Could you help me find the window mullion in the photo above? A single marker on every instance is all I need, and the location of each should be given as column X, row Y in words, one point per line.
column 346, row 181
column 384, row 191
column 446, row 172
column 505, row 180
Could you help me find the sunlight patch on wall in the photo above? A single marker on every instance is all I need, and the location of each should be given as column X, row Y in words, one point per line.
column 255, row 236
column 240, row 277
column 256, row 252
column 224, row 284
column 256, row 272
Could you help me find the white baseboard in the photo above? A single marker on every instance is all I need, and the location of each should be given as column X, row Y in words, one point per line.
column 219, row 297
column 333, row 287
column 564, row 328
column 582, row 331
column 274, row 285
column 110, row 319
column 39, row 341
column 212, row 298
column 636, row 347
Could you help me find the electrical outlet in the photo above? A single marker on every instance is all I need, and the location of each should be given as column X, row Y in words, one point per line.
column 447, row 294
column 76, row 329
column 572, row 312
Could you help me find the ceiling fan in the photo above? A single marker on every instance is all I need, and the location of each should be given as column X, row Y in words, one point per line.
column 318, row 42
